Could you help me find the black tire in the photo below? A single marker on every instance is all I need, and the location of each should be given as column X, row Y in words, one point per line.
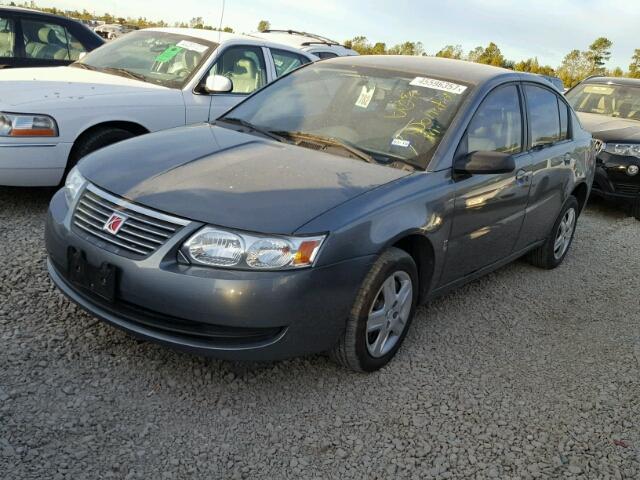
column 635, row 209
column 546, row 256
column 353, row 350
column 95, row 140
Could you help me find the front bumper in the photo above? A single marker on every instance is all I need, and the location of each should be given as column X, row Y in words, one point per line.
column 237, row 315
column 33, row 164
column 612, row 181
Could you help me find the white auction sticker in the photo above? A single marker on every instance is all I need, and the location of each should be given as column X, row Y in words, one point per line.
column 438, row 85
column 366, row 95
column 398, row 142
column 193, row 46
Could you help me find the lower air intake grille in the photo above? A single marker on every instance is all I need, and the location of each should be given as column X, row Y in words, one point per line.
column 138, row 232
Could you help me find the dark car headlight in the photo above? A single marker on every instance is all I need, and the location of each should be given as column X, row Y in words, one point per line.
column 221, row 248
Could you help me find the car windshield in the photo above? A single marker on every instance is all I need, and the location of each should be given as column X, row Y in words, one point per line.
column 621, row 101
column 391, row 116
column 166, row 59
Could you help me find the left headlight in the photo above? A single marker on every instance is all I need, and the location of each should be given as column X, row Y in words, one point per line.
column 72, row 185
column 624, row 149
column 27, row 125
column 214, row 247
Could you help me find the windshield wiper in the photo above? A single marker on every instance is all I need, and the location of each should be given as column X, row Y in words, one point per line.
column 82, row 65
column 267, row 133
column 124, row 73
column 331, row 141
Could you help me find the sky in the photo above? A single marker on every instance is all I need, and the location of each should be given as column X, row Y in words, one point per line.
column 547, row 29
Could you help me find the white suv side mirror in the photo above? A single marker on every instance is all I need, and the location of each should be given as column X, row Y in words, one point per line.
column 218, row 84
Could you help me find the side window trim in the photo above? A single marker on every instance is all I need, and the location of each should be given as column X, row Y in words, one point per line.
column 523, row 116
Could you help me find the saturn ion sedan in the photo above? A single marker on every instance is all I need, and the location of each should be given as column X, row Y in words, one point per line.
column 319, row 213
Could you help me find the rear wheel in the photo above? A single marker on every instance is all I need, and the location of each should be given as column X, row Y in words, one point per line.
column 552, row 253
column 381, row 314
column 93, row 141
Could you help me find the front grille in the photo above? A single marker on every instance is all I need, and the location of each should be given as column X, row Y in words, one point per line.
column 628, row 188
column 143, row 232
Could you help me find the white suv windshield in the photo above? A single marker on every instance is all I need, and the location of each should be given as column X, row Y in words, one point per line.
column 165, row 59
column 389, row 115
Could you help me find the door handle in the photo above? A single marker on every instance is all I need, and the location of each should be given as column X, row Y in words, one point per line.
column 567, row 159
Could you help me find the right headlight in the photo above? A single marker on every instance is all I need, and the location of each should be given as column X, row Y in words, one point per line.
column 215, row 247
column 27, row 125
column 72, row 185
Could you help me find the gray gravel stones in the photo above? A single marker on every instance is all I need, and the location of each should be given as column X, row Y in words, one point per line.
column 522, row 374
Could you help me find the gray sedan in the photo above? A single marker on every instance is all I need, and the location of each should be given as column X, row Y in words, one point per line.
column 317, row 214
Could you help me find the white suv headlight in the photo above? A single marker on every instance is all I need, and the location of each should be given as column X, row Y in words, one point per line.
column 27, row 125
column 72, row 185
column 216, row 247
column 624, row 149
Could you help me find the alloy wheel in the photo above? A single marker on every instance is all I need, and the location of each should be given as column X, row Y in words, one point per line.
column 564, row 234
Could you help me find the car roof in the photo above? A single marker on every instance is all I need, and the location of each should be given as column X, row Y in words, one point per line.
column 468, row 72
column 297, row 39
column 616, row 80
column 222, row 37
column 30, row 11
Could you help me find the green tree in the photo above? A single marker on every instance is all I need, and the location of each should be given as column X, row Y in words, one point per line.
column 407, row 48
column 576, row 66
column 599, row 52
column 634, row 66
column 617, row 72
column 492, row 56
column 264, row 25
column 450, row 51
column 475, row 54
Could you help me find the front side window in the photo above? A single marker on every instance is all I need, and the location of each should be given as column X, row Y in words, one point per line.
column 325, row 55
column 286, row 62
column 50, row 41
column 544, row 117
column 390, row 115
column 622, row 101
column 7, row 38
column 161, row 58
column 244, row 66
column 497, row 124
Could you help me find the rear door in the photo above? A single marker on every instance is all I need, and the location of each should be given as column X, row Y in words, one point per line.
column 48, row 43
column 246, row 67
column 553, row 156
column 489, row 209
column 8, row 44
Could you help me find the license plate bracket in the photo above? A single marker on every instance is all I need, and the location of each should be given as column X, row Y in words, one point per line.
column 100, row 281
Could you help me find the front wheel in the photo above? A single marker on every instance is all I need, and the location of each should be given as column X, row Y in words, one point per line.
column 552, row 253
column 381, row 314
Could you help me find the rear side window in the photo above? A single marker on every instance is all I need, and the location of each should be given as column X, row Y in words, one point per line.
column 497, row 124
column 286, row 61
column 325, row 55
column 7, row 37
column 50, row 41
column 544, row 116
column 564, row 120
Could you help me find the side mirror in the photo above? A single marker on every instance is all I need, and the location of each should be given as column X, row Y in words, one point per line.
column 485, row 163
column 218, row 84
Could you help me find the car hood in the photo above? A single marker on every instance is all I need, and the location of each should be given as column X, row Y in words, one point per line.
column 24, row 86
column 610, row 129
column 227, row 178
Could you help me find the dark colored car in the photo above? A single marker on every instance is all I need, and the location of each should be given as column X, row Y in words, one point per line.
column 29, row 38
column 317, row 214
column 609, row 107
column 555, row 81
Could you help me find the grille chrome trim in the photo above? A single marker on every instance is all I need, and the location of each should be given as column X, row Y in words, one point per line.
column 143, row 233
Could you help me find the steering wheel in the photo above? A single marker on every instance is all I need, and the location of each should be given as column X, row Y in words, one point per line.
column 183, row 72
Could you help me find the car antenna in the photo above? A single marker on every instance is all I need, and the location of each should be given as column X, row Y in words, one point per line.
column 220, row 26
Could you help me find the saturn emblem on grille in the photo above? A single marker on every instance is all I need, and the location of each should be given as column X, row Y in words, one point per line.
column 115, row 223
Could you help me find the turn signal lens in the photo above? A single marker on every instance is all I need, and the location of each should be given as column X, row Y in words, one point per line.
column 24, row 125
column 307, row 252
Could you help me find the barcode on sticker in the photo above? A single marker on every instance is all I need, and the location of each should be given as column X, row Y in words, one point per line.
column 398, row 142
column 438, row 85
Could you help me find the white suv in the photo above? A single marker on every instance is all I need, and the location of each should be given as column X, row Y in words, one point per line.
column 317, row 45
column 145, row 81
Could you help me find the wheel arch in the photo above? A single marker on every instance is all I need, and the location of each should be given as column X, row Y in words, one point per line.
column 133, row 127
column 581, row 193
column 420, row 248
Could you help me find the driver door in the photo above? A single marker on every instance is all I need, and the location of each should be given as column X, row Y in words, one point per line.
column 490, row 208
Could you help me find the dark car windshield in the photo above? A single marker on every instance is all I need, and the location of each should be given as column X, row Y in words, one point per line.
column 388, row 115
column 166, row 59
column 621, row 101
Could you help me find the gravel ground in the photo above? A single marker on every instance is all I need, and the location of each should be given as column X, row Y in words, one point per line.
column 522, row 374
